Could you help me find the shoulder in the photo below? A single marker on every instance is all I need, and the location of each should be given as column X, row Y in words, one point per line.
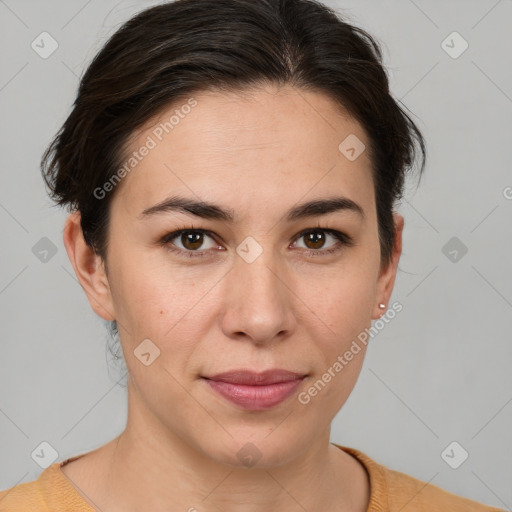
column 22, row 497
column 393, row 491
column 424, row 496
column 50, row 492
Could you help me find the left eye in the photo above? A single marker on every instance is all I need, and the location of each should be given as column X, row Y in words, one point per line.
column 317, row 238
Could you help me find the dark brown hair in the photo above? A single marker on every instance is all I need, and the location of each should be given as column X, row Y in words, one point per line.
column 168, row 52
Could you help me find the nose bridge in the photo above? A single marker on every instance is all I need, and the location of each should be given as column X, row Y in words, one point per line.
column 259, row 276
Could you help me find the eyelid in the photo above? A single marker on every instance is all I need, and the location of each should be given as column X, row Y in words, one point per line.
column 166, row 239
column 342, row 238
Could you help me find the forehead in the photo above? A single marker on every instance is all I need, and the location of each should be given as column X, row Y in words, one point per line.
column 264, row 144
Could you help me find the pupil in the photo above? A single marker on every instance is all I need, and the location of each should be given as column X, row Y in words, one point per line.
column 192, row 238
column 318, row 235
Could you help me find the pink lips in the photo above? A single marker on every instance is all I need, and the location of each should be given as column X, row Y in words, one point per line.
column 255, row 391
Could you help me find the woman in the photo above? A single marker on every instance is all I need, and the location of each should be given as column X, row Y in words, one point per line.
column 231, row 168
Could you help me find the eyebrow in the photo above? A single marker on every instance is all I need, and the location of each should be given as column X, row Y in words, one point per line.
column 208, row 210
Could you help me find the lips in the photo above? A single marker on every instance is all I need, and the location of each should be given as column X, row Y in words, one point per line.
column 250, row 378
column 255, row 391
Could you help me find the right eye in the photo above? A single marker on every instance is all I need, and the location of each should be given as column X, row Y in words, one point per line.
column 190, row 239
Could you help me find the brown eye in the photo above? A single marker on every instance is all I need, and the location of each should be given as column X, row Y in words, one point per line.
column 314, row 239
column 191, row 240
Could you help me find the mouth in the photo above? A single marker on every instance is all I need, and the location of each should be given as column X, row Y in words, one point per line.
column 250, row 378
column 255, row 391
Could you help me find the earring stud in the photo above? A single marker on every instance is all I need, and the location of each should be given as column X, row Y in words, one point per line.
column 382, row 306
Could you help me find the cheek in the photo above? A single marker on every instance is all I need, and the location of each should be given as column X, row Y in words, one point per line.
column 340, row 306
column 341, row 347
column 168, row 306
column 341, row 301
column 330, row 390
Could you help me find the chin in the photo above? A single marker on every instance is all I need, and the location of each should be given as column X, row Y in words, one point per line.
column 257, row 450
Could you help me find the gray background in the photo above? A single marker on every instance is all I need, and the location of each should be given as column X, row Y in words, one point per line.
column 439, row 372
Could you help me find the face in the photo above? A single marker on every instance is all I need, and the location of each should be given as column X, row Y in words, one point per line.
column 266, row 285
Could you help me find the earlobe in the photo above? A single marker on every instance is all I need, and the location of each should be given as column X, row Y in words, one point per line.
column 89, row 268
column 387, row 276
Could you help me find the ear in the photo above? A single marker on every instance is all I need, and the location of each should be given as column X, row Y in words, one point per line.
column 386, row 280
column 89, row 268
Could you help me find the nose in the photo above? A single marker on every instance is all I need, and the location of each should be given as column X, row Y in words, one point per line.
column 258, row 301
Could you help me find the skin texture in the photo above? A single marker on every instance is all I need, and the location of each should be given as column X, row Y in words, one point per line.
column 257, row 154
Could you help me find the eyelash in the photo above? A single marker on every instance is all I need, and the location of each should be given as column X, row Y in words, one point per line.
column 346, row 241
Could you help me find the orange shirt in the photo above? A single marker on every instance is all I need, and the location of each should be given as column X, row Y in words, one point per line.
column 391, row 491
